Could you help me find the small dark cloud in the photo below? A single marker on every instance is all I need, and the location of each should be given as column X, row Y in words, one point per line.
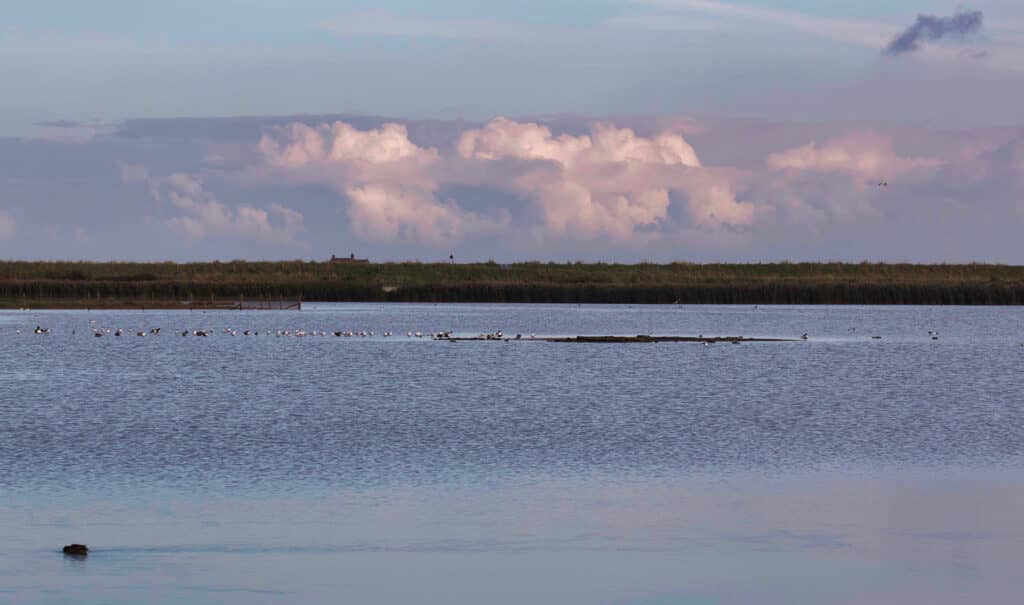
column 931, row 28
column 60, row 124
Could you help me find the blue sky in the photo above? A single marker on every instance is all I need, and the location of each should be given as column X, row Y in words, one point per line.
column 282, row 21
column 736, row 130
column 113, row 59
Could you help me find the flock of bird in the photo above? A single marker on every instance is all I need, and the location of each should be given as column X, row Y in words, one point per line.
column 100, row 332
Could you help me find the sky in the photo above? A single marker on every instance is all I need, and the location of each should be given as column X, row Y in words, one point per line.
column 617, row 130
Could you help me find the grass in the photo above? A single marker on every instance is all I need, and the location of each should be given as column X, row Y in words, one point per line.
column 89, row 284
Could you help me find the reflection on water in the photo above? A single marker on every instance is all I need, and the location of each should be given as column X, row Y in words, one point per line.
column 844, row 469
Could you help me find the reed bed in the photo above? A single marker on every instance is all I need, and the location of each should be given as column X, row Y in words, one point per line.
column 97, row 284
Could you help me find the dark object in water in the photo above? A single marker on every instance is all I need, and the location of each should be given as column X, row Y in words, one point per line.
column 640, row 338
column 76, row 550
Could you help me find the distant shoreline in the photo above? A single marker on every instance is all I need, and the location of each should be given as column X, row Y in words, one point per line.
column 82, row 285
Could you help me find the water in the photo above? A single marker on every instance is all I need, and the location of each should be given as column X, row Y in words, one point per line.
column 233, row 469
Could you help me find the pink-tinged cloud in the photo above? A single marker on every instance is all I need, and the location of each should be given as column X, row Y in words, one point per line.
column 712, row 203
column 607, row 144
column 339, row 155
column 528, row 185
column 203, row 215
column 867, row 155
column 389, row 181
column 340, row 142
column 611, row 183
column 8, row 227
column 608, row 184
column 385, row 213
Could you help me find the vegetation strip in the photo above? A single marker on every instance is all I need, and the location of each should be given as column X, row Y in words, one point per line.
column 172, row 285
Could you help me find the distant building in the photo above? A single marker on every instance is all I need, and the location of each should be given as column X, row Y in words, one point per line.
column 351, row 259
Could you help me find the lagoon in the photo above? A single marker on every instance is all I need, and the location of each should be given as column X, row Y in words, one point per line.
column 232, row 469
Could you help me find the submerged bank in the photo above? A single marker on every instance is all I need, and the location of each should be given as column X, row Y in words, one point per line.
column 172, row 285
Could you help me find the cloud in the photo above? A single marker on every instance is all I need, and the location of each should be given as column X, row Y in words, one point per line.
column 339, row 155
column 932, row 28
column 139, row 174
column 388, row 213
column 606, row 144
column 340, row 142
column 865, row 155
column 559, row 188
column 1004, row 52
column 520, row 186
column 388, row 180
column 204, row 215
column 609, row 183
column 8, row 226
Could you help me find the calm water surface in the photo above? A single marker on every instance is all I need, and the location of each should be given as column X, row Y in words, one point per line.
column 233, row 469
